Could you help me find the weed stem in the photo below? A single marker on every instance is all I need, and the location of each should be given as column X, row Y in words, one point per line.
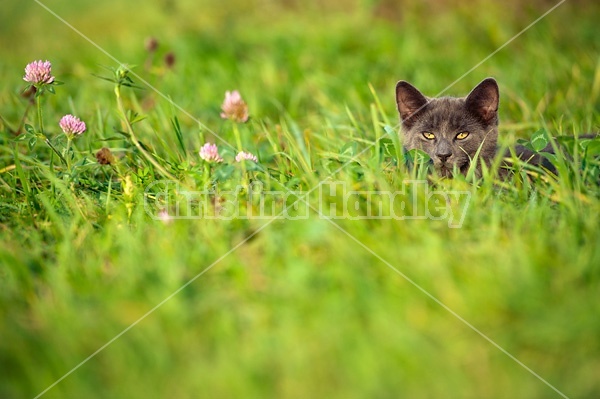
column 134, row 139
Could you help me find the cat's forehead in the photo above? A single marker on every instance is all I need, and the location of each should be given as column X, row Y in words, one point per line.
column 447, row 112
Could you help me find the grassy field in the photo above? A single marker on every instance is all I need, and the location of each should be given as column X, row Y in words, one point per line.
column 103, row 296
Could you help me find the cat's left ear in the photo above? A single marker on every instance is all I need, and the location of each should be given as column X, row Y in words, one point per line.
column 483, row 101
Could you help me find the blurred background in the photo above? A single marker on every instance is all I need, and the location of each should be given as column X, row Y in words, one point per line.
column 300, row 312
column 311, row 55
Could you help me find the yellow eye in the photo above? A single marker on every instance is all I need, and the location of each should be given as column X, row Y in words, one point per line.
column 428, row 136
column 462, row 136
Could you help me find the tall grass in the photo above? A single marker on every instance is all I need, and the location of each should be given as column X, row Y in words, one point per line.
column 311, row 307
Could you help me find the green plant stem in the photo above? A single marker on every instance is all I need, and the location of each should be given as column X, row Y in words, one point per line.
column 134, row 139
column 206, row 176
column 238, row 141
column 69, row 139
column 38, row 103
column 47, row 140
column 238, row 137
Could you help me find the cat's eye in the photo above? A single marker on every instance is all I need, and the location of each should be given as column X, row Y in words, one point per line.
column 428, row 136
column 462, row 135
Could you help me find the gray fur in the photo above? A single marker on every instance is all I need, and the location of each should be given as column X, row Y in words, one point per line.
column 445, row 117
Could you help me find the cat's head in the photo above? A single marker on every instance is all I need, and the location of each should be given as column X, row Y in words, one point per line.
column 450, row 130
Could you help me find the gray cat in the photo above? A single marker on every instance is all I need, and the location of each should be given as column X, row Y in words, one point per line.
column 451, row 130
column 455, row 132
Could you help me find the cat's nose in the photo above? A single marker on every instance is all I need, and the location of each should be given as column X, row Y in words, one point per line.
column 443, row 156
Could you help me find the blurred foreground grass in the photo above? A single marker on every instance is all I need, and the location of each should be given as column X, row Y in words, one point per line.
column 301, row 309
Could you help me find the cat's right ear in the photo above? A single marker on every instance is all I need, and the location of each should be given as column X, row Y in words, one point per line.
column 483, row 101
column 409, row 101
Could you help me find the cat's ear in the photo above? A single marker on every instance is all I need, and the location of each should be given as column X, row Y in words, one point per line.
column 409, row 100
column 483, row 101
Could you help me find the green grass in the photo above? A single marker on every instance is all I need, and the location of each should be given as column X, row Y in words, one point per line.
column 295, row 308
